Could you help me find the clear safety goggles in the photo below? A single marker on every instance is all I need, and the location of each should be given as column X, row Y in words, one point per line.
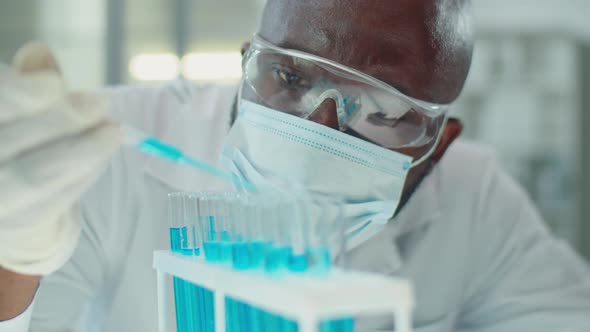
column 298, row 83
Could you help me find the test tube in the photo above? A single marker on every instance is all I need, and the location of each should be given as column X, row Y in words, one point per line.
column 177, row 230
column 207, row 228
column 278, row 253
column 231, row 305
column 299, row 231
column 189, row 215
column 186, row 294
column 241, row 251
column 176, row 239
column 260, row 208
column 192, row 208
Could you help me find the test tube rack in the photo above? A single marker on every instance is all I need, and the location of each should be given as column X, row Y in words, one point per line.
column 304, row 298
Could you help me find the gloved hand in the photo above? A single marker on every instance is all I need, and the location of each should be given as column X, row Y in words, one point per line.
column 53, row 145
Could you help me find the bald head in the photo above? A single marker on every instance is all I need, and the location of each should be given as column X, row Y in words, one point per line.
column 452, row 36
column 421, row 47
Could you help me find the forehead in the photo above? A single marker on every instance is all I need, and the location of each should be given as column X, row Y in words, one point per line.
column 388, row 39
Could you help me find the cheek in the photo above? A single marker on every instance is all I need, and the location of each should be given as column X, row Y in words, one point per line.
column 414, row 176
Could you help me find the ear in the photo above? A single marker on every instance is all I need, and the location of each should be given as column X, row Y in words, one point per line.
column 244, row 48
column 450, row 133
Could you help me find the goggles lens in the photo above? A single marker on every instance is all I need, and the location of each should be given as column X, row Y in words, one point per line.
column 298, row 83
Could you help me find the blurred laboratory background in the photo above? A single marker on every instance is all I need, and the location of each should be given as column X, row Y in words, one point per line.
column 528, row 95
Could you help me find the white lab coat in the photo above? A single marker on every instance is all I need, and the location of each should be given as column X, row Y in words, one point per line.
column 478, row 253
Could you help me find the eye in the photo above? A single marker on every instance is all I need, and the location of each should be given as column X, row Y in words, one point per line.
column 289, row 79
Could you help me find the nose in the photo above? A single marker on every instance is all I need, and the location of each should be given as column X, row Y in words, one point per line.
column 326, row 114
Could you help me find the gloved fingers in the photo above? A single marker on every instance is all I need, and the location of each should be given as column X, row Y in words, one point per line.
column 42, row 249
column 39, row 240
column 49, row 207
column 24, row 95
column 67, row 117
column 33, row 82
column 53, row 147
column 47, row 170
column 34, row 57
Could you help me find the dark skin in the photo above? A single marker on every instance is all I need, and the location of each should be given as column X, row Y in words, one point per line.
column 16, row 293
column 389, row 40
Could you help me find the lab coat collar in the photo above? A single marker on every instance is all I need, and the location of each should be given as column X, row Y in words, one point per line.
column 383, row 253
column 422, row 208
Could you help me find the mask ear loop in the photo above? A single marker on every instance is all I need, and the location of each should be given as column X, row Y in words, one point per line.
column 431, row 151
column 338, row 99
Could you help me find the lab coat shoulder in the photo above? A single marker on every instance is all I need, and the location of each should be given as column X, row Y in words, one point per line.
column 154, row 108
column 518, row 276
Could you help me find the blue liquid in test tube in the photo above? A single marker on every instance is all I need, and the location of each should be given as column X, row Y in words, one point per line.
column 277, row 258
column 191, row 301
column 212, row 251
column 298, row 263
column 258, row 253
column 212, row 244
column 241, row 256
column 319, row 259
column 225, row 247
column 177, row 238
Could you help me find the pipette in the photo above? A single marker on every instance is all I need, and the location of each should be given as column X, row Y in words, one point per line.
column 151, row 145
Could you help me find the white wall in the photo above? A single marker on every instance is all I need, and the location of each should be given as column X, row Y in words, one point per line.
column 570, row 16
column 523, row 98
column 75, row 31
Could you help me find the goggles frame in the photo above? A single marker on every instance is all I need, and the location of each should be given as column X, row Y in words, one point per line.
column 260, row 45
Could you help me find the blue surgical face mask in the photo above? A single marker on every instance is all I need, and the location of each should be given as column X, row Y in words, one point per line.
column 275, row 150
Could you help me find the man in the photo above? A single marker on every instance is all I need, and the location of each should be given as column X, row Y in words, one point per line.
column 463, row 232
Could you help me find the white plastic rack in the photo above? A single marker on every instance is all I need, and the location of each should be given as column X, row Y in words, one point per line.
column 304, row 298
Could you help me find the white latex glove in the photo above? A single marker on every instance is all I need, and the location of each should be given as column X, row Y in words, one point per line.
column 53, row 145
